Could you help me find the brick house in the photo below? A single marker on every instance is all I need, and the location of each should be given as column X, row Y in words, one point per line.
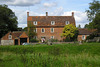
column 83, row 33
column 50, row 27
column 14, row 38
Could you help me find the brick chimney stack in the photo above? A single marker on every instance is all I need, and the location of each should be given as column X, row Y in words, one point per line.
column 27, row 14
column 73, row 14
column 46, row 14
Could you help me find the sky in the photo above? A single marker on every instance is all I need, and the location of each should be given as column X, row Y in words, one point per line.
column 53, row 7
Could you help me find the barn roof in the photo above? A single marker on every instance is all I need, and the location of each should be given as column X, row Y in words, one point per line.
column 84, row 31
column 15, row 35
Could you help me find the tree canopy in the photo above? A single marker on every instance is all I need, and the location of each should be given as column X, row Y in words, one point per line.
column 70, row 31
column 8, row 20
column 94, row 15
column 31, row 31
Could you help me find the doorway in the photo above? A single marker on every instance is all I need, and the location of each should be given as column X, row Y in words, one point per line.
column 16, row 41
column 23, row 40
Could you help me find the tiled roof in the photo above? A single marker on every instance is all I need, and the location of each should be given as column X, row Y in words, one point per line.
column 16, row 33
column 86, row 31
column 46, row 20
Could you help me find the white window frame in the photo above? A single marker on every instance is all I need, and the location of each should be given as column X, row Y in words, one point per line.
column 52, row 22
column 42, row 31
column 35, row 22
column 83, row 37
column 67, row 22
column 52, row 37
column 52, row 31
column 10, row 37
column 35, row 30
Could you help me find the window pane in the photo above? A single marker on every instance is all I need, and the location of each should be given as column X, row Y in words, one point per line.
column 52, row 29
column 67, row 22
column 35, row 22
column 42, row 30
column 52, row 22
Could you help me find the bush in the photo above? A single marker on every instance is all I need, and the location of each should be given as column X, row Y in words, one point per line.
column 34, row 40
column 54, row 40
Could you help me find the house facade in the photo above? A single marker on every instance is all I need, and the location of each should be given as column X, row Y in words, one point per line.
column 83, row 33
column 14, row 38
column 50, row 27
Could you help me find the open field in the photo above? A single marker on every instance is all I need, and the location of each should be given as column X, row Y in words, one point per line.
column 62, row 55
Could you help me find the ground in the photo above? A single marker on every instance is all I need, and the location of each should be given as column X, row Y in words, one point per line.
column 57, row 55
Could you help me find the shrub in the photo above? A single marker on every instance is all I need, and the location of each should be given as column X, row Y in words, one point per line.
column 34, row 40
column 54, row 40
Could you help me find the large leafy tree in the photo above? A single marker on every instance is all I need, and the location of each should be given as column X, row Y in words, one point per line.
column 31, row 31
column 8, row 20
column 70, row 32
column 94, row 15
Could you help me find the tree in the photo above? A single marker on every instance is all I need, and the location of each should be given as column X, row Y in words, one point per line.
column 70, row 32
column 31, row 31
column 8, row 20
column 79, row 26
column 94, row 15
column 25, row 29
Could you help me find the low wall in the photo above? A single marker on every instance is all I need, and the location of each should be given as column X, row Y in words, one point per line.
column 62, row 42
column 7, row 42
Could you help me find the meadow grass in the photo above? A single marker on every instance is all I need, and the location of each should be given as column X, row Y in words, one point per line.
column 57, row 55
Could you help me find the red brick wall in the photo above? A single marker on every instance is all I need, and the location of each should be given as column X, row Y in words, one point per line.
column 57, row 33
column 80, row 37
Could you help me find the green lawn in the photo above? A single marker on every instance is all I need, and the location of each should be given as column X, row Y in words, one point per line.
column 62, row 55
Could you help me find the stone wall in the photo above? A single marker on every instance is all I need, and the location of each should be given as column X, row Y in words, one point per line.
column 7, row 42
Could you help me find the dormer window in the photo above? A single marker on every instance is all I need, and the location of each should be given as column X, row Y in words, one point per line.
column 67, row 22
column 35, row 22
column 52, row 22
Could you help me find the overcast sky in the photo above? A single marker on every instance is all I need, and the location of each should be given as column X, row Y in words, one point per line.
column 53, row 7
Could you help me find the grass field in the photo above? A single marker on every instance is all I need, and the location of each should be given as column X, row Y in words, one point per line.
column 62, row 55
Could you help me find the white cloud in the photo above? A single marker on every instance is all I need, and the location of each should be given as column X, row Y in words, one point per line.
column 57, row 12
column 20, row 2
column 53, row 4
column 80, row 17
column 22, row 16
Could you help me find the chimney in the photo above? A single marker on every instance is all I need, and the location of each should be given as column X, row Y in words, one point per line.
column 27, row 14
column 46, row 14
column 73, row 14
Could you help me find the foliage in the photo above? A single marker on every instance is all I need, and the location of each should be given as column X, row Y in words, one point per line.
column 70, row 32
column 79, row 26
column 34, row 40
column 91, row 36
column 54, row 40
column 19, row 29
column 85, row 55
column 31, row 32
column 94, row 15
column 8, row 20
column 25, row 29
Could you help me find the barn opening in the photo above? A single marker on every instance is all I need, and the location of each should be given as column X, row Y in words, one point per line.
column 23, row 40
